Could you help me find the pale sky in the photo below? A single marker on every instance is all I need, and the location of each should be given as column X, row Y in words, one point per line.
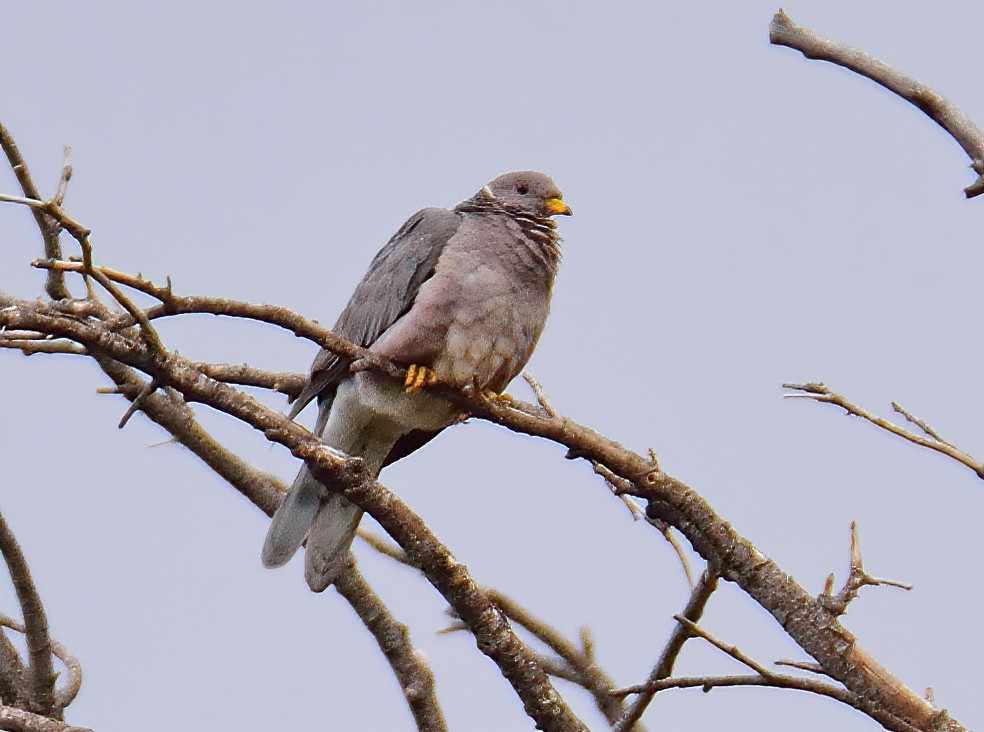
column 742, row 217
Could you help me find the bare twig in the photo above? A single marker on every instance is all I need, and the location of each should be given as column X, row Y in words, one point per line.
column 66, row 176
column 818, row 391
column 663, row 669
column 813, row 668
column 540, row 394
column 149, row 389
column 857, row 578
column 779, row 681
column 40, row 674
column 32, row 346
column 784, row 32
column 55, row 284
column 762, row 676
column 623, row 489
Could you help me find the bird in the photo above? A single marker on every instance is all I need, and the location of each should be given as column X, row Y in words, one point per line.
column 457, row 296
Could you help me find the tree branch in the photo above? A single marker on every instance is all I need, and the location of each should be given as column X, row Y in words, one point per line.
column 857, row 578
column 18, row 720
column 784, row 32
column 266, row 492
column 663, row 669
column 66, row 694
column 55, row 284
column 669, row 500
column 819, row 392
column 410, row 667
column 40, row 675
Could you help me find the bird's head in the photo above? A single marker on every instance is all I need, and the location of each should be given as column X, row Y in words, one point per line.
column 530, row 192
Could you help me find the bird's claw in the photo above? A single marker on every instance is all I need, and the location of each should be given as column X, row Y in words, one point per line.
column 417, row 377
column 494, row 396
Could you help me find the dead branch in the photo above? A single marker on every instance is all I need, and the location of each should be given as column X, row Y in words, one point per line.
column 784, row 32
column 761, row 676
column 65, row 694
column 39, row 675
column 882, row 696
column 668, row 499
column 55, row 284
column 572, row 664
column 266, row 492
column 857, row 578
column 664, row 666
column 410, row 667
column 819, row 392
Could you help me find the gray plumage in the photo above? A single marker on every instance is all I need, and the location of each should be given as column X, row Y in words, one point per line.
column 464, row 292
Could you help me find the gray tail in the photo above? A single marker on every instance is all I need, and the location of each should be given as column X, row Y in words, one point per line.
column 329, row 539
column 292, row 520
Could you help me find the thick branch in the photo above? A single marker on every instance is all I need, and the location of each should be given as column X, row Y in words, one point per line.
column 784, row 32
column 815, row 629
column 40, row 674
column 266, row 492
column 18, row 720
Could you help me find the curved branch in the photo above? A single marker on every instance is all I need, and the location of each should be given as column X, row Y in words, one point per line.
column 784, row 32
column 410, row 667
column 40, row 674
column 66, row 694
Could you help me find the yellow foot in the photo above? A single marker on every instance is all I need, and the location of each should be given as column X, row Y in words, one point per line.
column 494, row 396
column 418, row 376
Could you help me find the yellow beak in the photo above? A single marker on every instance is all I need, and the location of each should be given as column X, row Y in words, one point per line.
column 557, row 207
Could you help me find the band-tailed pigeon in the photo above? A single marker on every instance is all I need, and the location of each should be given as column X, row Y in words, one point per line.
column 458, row 295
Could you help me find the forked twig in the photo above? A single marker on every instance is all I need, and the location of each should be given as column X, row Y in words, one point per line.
column 819, row 392
column 857, row 578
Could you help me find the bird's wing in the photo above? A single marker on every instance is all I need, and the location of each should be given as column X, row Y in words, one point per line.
column 386, row 292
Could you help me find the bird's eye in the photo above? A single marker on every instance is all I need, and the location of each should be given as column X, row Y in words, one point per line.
column 522, row 189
